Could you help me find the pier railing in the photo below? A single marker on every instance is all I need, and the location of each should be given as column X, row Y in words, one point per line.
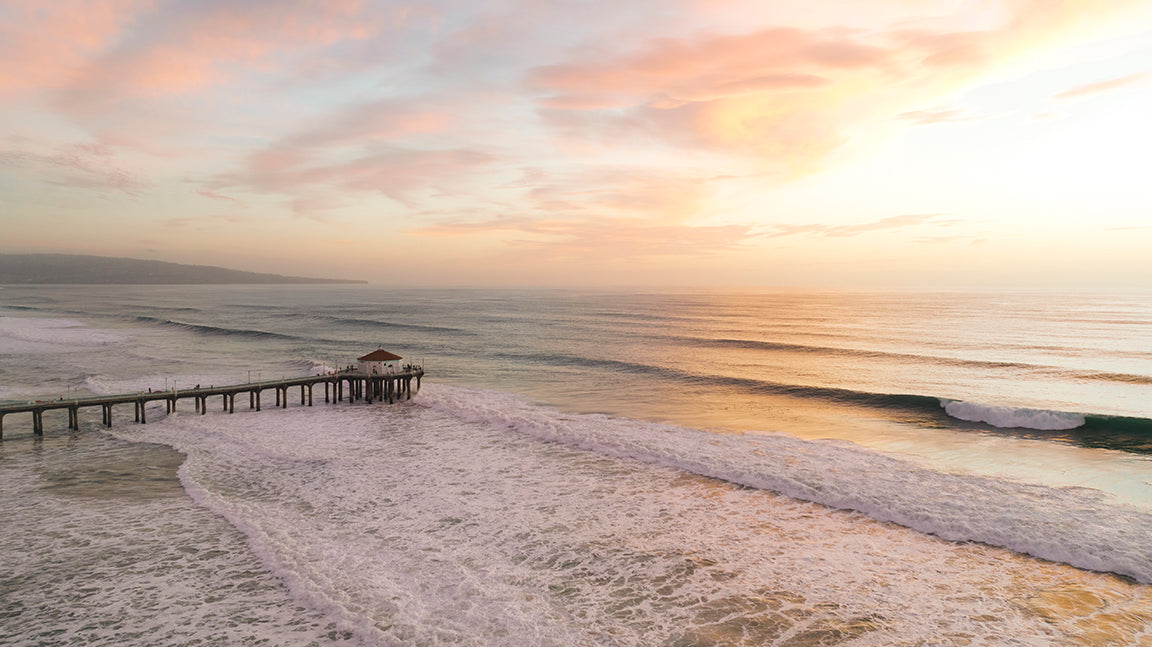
column 348, row 384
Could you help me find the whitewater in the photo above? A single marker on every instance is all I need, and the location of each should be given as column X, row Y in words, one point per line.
column 596, row 469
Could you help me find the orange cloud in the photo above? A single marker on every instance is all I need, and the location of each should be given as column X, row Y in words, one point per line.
column 938, row 116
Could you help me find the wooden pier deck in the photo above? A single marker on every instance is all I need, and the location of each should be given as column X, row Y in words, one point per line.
column 348, row 384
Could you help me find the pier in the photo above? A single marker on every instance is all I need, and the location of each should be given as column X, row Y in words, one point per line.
column 351, row 385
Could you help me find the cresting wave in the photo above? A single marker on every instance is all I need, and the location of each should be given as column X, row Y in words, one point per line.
column 1106, row 432
column 926, row 406
column 1077, row 526
column 1011, row 417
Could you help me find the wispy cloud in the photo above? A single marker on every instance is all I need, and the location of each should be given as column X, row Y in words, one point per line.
column 936, row 116
column 205, row 222
column 601, row 238
column 1105, row 86
column 846, row 231
column 81, row 166
column 395, row 173
column 605, row 213
column 217, row 196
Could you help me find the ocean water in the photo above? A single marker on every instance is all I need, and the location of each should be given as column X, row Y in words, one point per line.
column 584, row 468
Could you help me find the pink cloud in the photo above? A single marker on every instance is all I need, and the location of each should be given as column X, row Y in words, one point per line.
column 188, row 47
column 217, row 196
column 783, row 96
column 1104, row 86
column 711, row 67
column 45, row 45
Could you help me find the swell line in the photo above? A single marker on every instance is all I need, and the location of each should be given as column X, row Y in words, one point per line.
column 1041, row 369
column 217, row 330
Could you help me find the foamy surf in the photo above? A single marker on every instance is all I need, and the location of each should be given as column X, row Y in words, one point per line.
column 1078, row 526
column 1012, row 417
column 445, row 520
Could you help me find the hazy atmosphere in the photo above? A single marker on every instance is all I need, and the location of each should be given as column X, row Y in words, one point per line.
column 839, row 143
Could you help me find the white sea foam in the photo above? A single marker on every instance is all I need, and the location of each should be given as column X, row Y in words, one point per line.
column 1077, row 526
column 1012, row 417
column 94, row 554
column 445, row 520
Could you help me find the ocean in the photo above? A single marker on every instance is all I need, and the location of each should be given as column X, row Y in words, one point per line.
column 583, row 468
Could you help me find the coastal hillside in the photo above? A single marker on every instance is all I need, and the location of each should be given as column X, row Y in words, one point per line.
column 47, row 269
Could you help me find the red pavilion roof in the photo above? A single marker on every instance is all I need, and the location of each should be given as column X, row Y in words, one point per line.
column 380, row 355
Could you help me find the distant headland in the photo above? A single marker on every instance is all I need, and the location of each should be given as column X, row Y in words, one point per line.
column 64, row 269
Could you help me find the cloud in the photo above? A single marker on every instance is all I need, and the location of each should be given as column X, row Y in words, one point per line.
column 386, row 118
column 601, row 214
column 217, row 196
column 787, row 97
column 600, row 238
column 43, row 47
column 621, row 192
column 152, row 52
column 81, row 166
column 1104, row 86
column 616, row 239
column 394, row 172
column 206, row 222
column 671, row 72
column 937, row 116
column 846, row 231
column 389, row 146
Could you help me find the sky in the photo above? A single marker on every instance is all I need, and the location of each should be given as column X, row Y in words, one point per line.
column 862, row 144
